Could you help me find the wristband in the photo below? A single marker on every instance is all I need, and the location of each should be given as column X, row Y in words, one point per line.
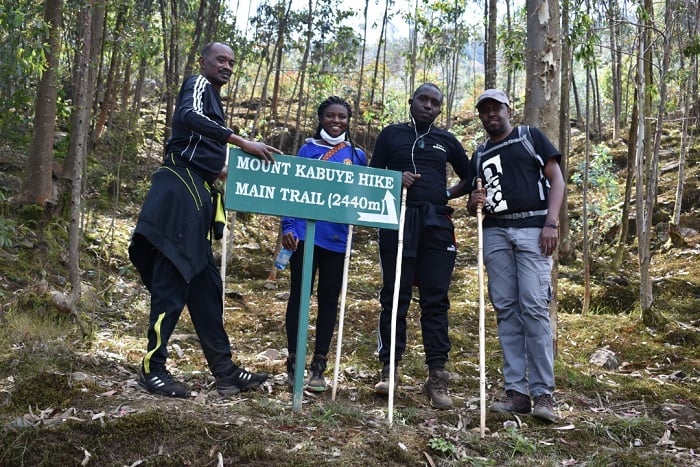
column 553, row 226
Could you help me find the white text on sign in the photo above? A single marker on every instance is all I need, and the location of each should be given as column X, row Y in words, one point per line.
column 327, row 174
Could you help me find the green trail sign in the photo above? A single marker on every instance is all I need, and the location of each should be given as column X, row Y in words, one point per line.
column 316, row 191
column 313, row 189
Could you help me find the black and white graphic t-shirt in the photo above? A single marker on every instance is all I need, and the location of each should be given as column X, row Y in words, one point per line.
column 512, row 174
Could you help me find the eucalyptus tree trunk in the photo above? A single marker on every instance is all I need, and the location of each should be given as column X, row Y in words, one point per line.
column 543, row 56
column 197, row 38
column 650, row 316
column 511, row 72
column 82, row 102
column 543, row 68
column 38, row 185
column 302, row 74
column 613, row 16
column 577, row 100
column 413, row 50
column 97, row 27
column 276, row 59
column 596, row 93
column 586, row 301
column 373, row 83
column 212, row 25
column 169, row 15
column 566, row 251
column 490, row 44
column 643, row 160
column 278, row 64
column 384, row 66
column 629, row 182
column 239, row 71
column 382, row 40
column 686, row 106
column 138, row 88
column 360, row 78
column 109, row 95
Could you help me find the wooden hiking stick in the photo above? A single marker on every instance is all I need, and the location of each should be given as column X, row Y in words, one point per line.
column 395, row 308
column 482, row 325
column 343, row 293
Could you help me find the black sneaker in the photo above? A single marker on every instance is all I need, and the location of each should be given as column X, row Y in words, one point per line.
column 317, row 383
column 515, row 402
column 544, row 408
column 161, row 382
column 240, row 380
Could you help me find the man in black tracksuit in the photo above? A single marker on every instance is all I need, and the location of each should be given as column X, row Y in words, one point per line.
column 171, row 244
column 421, row 151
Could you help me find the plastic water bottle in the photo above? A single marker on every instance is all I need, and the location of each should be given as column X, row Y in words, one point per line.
column 283, row 258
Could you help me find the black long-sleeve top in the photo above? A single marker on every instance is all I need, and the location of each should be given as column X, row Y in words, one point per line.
column 400, row 148
column 199, row 134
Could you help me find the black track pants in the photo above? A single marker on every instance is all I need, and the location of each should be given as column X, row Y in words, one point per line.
column 431, row 271
column 203, row 297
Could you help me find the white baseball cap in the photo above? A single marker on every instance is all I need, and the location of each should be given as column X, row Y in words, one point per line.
column 494, row 94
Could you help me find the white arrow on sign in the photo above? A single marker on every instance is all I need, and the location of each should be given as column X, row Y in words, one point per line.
column 388, row 208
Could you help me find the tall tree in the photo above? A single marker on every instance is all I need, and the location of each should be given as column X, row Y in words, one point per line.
column 613, row 16
column 205, row 28
column 648, row 183
column 303, row 70
column 284, row 12
column 79, row 136
column 490, row 44
column 374, row 83
column 86, row 85
column 110, row 90
column 543, row 56
column 630, row 169
column 643, row 156
column 170, row 19
column 543, row 68
column 38, row 185
column 565, row 252
column 512, row 36
column 360, row 77
column 690, row 50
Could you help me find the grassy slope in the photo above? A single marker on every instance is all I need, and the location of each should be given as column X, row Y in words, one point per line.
column 69, row 400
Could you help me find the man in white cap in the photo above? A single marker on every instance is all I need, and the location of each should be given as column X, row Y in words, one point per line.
column 521, row 196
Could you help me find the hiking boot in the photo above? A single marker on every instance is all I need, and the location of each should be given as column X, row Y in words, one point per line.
column 544, row 408
column 160, row 381
column 239, row 380
column 435, row 389
column 515, row 402
column 316, row 382
column 291, row 362
column 382, row 387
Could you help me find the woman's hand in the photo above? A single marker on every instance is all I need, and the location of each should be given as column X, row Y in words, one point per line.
column 290, row 241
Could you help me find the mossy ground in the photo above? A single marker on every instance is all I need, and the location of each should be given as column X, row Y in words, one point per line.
column 69, row 399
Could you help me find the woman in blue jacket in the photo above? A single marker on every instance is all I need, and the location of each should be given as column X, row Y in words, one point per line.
column 331, row 143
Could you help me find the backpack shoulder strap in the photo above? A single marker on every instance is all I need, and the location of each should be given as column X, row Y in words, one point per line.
column 525, row 135
column 526, row 138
